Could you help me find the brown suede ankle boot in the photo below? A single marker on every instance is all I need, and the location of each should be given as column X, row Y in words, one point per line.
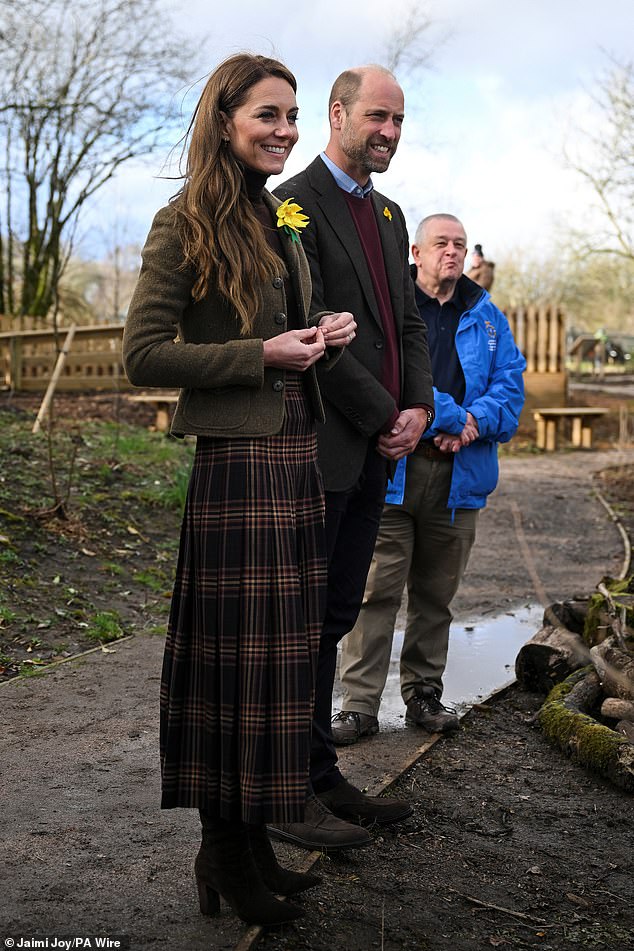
column 225, row 867
column 281, row 881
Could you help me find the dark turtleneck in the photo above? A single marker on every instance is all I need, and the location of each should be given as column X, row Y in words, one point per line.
column 255, row 182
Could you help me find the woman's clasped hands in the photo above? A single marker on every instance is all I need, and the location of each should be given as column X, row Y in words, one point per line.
column 299, row 349
column 294, row 349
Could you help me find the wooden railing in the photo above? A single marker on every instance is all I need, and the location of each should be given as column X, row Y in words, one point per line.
column 540, row 333
column 27, row 357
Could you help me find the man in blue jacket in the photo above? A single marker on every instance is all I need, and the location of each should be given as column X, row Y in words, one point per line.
column 429, row 520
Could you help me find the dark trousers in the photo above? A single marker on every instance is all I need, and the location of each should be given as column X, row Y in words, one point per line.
column 352, row 524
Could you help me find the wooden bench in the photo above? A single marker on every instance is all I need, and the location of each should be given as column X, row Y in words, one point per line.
column 582, row 417
column 163, row 403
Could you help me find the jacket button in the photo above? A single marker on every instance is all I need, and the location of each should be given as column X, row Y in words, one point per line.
column 277, row 282
column 278, row 385
column 378, row 344
column 280, row 318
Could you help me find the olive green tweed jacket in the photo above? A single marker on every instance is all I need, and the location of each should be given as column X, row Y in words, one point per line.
column 171, row 341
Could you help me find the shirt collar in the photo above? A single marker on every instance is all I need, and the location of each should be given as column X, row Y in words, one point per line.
column 344, row 181
column 456, row 298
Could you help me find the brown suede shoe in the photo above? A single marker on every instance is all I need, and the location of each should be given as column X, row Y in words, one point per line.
column 321, row 830
column 348, row 802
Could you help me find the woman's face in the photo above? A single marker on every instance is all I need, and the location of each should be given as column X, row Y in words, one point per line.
column 263, row 130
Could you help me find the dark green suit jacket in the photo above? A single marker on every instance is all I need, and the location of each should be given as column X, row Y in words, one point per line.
column 171, row 341
column 356, row 403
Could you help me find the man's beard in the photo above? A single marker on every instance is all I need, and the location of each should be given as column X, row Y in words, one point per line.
column 359, row 152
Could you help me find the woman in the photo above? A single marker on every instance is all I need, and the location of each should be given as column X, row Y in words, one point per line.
column 220, row 310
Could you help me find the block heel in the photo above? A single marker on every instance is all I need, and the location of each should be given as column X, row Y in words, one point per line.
column 208, row 898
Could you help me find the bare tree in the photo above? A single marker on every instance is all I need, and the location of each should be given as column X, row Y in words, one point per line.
column 414, row 38
column 85, row 86
column 408, row 47
column 609, row 169
column 596, row 291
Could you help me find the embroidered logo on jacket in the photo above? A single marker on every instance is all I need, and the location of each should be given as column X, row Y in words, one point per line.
column 490, row 329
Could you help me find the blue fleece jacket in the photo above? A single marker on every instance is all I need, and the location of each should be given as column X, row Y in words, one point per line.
column 494, row 395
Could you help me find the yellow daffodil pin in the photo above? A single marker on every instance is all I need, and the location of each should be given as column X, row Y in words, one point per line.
column 290, row 219
column 387, row 213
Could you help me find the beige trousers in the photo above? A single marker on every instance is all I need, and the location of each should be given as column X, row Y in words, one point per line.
column 418, row 543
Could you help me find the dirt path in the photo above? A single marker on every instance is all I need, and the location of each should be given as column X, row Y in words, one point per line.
column 543, row 536
column 86, row 850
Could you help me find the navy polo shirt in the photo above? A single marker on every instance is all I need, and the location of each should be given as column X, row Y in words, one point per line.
column 442, row 323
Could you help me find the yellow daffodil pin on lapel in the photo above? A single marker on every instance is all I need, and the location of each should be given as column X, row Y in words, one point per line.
column 290, row 219
column 387, row 213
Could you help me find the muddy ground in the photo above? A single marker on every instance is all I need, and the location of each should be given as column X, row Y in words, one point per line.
column 510, row 844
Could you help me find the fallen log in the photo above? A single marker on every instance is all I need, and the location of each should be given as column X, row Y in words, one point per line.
column 615, row 709
column 566, row 721
column 571, row 614
column 615, row 668
column 549, row 657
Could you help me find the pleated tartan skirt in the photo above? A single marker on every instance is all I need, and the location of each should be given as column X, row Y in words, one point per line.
column 240, row 659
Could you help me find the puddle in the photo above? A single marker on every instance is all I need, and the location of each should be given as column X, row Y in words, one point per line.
column 482, row 654
column 481, row 660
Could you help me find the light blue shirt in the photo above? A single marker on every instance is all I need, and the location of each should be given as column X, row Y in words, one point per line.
column 344, row 181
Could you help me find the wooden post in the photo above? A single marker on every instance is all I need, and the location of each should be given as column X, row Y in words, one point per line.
column 48, row 396
column 531, row 339
column 542, row 340
column 162, row 416
column 16, row 364
column 586, row 434
column 555, row 357
column 541, row 431
column 623, row 427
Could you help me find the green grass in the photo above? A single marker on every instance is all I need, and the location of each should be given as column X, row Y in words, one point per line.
column 112, row 568
column 104, row 627
column 152, row 578
column 106, row 569
column 111, row 458
column 7, row 615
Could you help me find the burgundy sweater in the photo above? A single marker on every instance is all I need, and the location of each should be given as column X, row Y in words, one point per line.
column 362, row 211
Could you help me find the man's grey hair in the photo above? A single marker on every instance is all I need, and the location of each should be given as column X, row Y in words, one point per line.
column 420, row 231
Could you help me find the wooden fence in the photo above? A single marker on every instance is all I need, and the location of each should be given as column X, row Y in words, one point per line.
column 27, row 357
column 540, row 333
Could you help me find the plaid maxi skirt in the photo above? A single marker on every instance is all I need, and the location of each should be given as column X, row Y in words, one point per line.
column 240, row 659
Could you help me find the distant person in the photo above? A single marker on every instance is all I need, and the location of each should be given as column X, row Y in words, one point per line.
column 481, row 271
column 429, row 520
column 378, row 399
column 221, row 310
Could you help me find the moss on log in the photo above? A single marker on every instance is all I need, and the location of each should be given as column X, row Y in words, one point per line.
column 567, row 724
column 601, row 614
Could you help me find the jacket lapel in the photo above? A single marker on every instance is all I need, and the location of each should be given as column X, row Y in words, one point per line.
column 391, row 253
column 299, row 276
column 336, row 212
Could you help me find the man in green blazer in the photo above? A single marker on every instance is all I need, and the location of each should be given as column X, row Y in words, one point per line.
column 378, row 398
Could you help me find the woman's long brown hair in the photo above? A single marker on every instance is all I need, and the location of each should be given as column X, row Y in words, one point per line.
column 222, row 238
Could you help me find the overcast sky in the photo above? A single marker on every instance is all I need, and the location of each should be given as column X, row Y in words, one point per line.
column 509, row 85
